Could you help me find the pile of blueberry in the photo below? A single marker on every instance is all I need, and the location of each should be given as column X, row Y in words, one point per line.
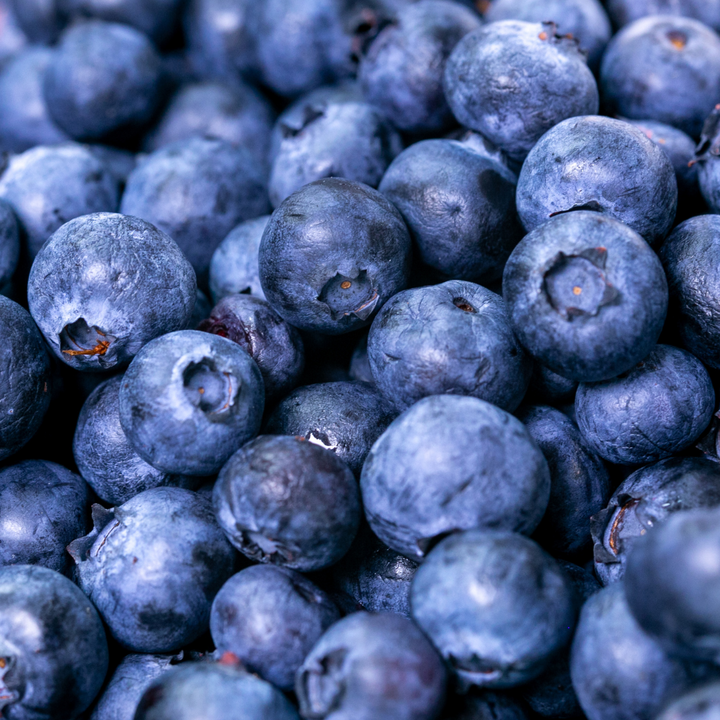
column 358, row 359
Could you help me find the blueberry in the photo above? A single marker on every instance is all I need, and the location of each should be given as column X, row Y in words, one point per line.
column 24, row 118
column 452, row 463
column 579, row 482
column 294, row 116
column 156, row 18
column 9, row 243
column 680, row 149
column 601, row 164
column 218, row 40
column 512, row 81
column 274, row 345
column 131, row 678
column 44, row 506
column 104, row 78
column 619, row 672
column 49, row 186
column 585, row 295
column 332, row 254
column 658, row 408
column 270, row 618
column 698, row 704
column 345, row 417
column 104, row 456
column 93, row 290
column 235, row 113
column 683, row 57
column 551, row 695
column 623, row 12
column 459, row 207
column 189, row 400
column 585, row 20
column 196, row 191
column 449, row 338
column 352, row 140
column 495, row 605
column 402, row 71
column 372, row 667
column 374, row 576
column 212, row 690
column 41, row 20
column 299, row 47
column 152, row 567
column 234, row 264
column 672, row 581
column 288, row 502
column 551, row 388
column 53, row 651
column 644, row 499
column 24, row 378
column 689, row 258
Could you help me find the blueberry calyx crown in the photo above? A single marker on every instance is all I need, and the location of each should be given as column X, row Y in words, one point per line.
column 321, row 688
column 8, row 695
column 576, row 285
column 346, row 295
column 79, row 338
column 709, row 145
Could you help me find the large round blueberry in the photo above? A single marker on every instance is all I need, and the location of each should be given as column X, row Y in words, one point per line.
column 189, row 400
column 351, row 140
column 293, row 612
column 128, row 683
column 452, row 463
column 597, row 163
column 646, row 498
column 585, row 20
column 332, row 254
column 24, row 118
column 105, row 77
column 698, row 704
column 512, row 81
column 449, row 338
column 234, row 264
column 378, row 667
column 103, row 454
column 49, row 186
column 459, row 207
column 9, row 243
column 288, row 502
column 104, row 285
column 623, row 12
column 619, row 672
column 402, row 71
column 691, row 258
column 345, row 417
column 274, row 345
column 579, row 482
column 683, row 58
column 153, row 566
column 24, row 377
column 155, row 18
column 672, row 583
column 44, row 507
column 217, row 691
column 656, row 409
column 235, row 113
column 196, row 191
column 586, row 296
column 495, row 605
column 53, row 651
